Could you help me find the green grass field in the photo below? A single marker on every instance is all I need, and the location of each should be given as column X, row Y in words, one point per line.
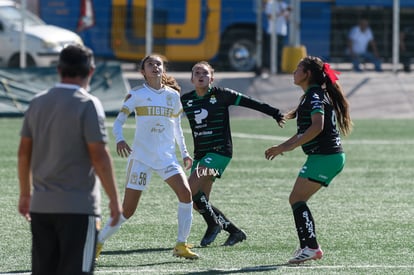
column 364, row 220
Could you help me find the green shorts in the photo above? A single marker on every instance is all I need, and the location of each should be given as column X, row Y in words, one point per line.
column 322, row 168
column 215, row 163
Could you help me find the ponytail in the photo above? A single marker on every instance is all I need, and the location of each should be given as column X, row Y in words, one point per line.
column 324, row 76
column 170, row 82
column 338, row 99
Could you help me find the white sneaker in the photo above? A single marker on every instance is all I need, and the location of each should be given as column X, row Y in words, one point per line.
column 306, row 254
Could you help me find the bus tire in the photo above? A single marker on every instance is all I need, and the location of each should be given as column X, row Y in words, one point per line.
column 239, row 50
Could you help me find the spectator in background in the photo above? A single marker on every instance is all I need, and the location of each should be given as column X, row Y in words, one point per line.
column 359, row 38
column 405, row 55
column 278, row 24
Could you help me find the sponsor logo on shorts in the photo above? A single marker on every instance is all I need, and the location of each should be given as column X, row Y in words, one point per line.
column 203, row 172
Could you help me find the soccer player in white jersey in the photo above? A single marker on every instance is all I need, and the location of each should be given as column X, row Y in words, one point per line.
column 157, row 108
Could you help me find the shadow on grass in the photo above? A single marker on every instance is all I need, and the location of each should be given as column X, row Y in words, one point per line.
column 143, row 250
column 252, row 269
column 17, row 272
column 140, row 251
column 135, row 265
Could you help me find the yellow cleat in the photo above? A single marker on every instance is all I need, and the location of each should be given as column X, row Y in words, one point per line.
column 183, row 250
column 99, row 247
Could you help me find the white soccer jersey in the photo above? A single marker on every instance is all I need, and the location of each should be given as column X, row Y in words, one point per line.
column 158, row 125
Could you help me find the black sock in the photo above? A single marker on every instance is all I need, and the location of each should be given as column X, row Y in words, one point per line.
column 205, row 209
column 305, row 225
column 227, row 224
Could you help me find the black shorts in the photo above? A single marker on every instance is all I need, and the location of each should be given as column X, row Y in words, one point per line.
column 63, row 243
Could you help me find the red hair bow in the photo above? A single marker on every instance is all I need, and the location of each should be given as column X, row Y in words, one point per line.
column 332, row 74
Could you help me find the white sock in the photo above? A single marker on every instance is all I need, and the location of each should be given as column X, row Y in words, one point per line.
column 108, row 230
column 185, row 219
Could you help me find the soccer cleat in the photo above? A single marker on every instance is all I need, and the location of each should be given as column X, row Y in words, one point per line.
column 306, row 254
column 297, row 252
column 210, row 235
column 234, row 238
column 183, row 250
column 99, row 247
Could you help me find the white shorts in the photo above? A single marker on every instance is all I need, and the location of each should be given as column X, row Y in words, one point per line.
column 139, row 174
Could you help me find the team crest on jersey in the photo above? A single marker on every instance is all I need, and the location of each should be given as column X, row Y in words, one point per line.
column 169, row 100
column 213, row 99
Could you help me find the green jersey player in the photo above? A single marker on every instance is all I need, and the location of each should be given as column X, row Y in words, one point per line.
column 321, row 107
column 207, row 109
